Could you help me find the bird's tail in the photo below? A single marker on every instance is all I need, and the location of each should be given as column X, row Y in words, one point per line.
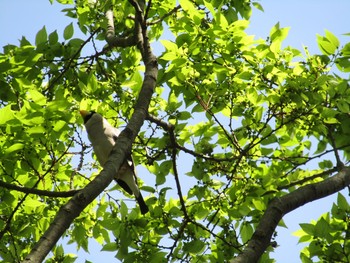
column 143, row 207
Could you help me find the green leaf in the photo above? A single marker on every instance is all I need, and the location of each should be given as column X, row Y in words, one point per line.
column 110, row 247
column 169, row 45
column 258, row 6
column 210, row 7
column 346, row 50
column 109, row 223
column 259, row 204
column 325, row 164
column 343, row 106
column 246, row 232
column 36, row 130
column 343, row 64
column 184, row 115
column 173, row 103
column 323, row 229
column 53, row 38
column 6, row 114
column 326, row 47
column 148, row 189
column 14, row 148
column 332, row 39
column 123, row 209
column 92, row 84
column 191, row 11
column 266, row 151
column 258, row 113
column 68, row 31
column 328, row 44
column 41, row 36
column 277, row 35
column 169, row 56
column 321, row 147
column 343, row 203
column 195, row 246
column 32, row 203
column 305, row 258
column 308, row 228
column 37, row 97
column 75, row 44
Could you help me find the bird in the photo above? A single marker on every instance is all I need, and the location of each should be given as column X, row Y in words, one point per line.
column 103, row 136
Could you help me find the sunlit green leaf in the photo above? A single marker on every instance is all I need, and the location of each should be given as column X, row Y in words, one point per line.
column 14, row 148
column 332, row 39
column 219, row 125
column 328, row 44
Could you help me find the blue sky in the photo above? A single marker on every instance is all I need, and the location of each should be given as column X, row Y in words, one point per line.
column 306, row 19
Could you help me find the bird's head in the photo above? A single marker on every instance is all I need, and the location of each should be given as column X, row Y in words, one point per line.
column 86, row 115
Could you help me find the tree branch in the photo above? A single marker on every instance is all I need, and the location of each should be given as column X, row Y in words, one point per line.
column 28, row 190
column 160, row 19
column 176, row 174
column 114, row 41
column 76, row 205
column 67, row 66
column 278, row 207
column 170, row 129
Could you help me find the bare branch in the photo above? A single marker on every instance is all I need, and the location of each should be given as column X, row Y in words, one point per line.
column 176, row 174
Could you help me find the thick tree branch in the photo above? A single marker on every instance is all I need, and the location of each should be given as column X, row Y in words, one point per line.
column 278, row 207
column 112, row 39
column 76, row 205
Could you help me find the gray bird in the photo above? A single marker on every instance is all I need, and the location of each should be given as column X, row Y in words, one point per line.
column 103, row 136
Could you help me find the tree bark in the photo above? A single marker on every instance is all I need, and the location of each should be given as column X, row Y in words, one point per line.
column 79, row 201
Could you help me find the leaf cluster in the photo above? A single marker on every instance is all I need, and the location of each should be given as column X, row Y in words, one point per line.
column 234, row 123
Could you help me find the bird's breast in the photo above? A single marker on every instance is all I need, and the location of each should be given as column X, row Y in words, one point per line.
column 102, row 149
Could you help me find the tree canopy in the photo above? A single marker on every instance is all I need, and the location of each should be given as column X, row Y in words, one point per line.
column 235, row 132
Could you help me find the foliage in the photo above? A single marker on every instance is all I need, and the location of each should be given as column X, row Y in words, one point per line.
column 234, row 122
column 328, row 236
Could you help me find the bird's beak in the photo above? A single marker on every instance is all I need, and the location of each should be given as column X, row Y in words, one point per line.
column 83, row 113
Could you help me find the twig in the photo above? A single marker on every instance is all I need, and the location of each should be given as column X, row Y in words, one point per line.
column 28, row 190
column 164, row 16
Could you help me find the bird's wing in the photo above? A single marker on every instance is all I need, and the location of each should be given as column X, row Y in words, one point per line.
column 127, row 177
